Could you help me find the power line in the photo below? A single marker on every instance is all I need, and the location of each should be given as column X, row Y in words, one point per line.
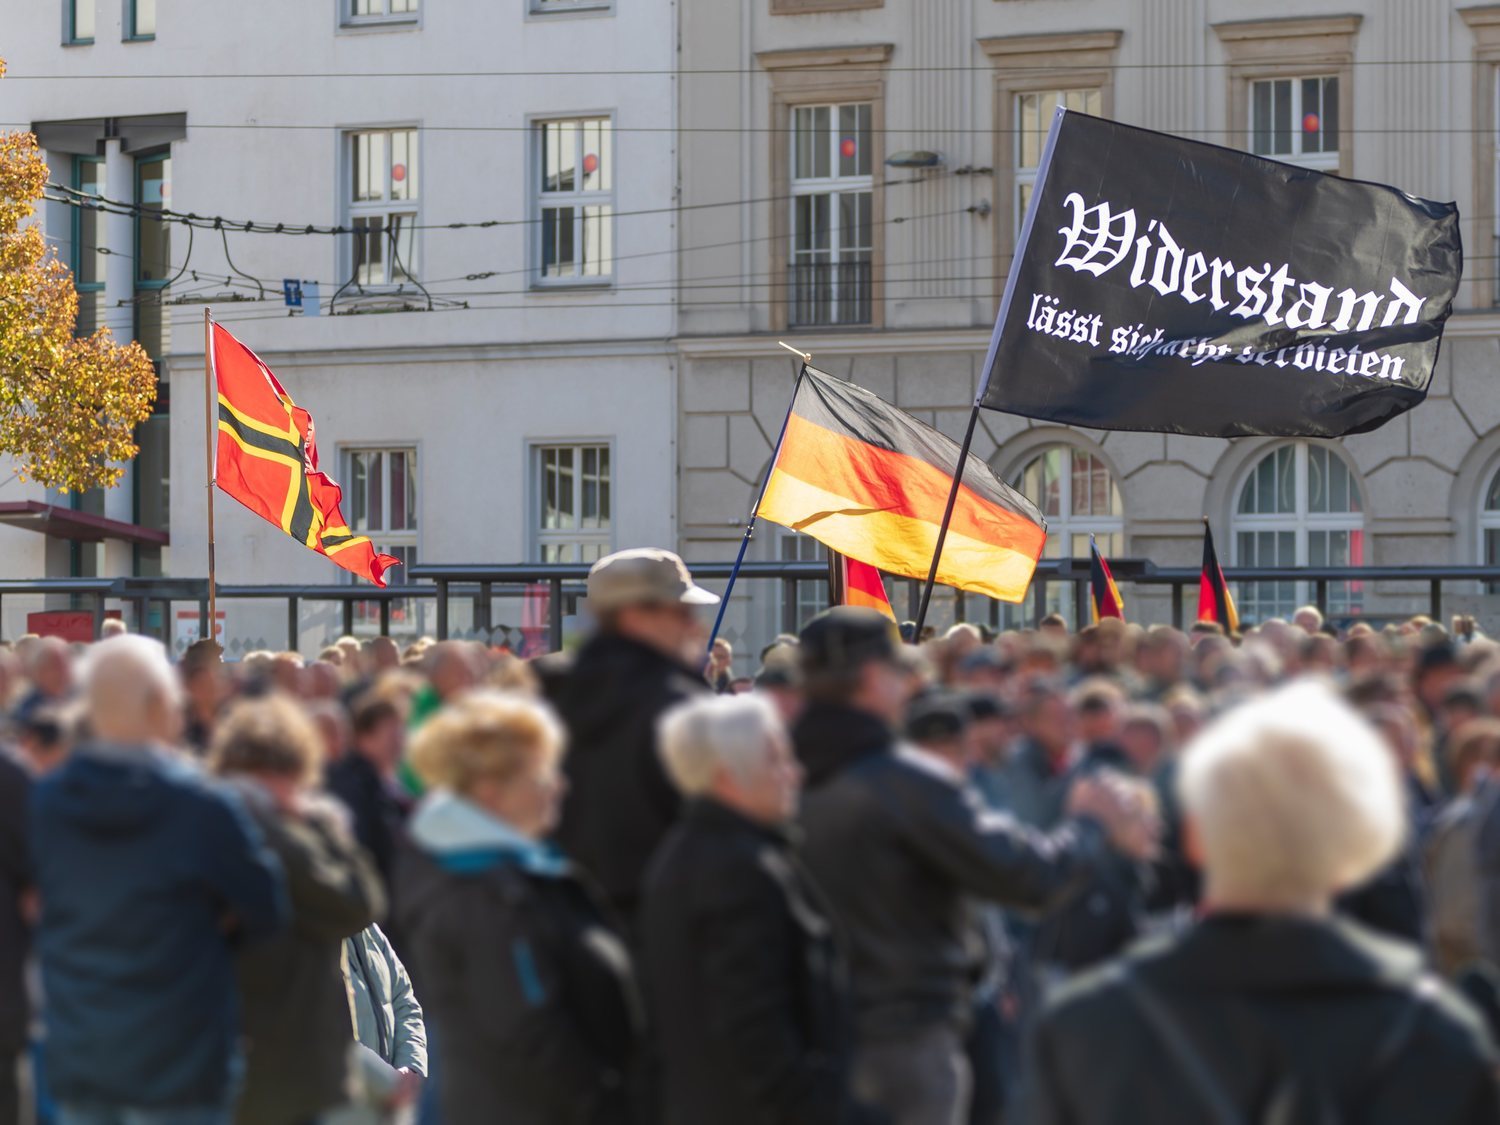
column 104, row 204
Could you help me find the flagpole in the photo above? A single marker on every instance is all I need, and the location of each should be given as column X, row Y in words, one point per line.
column 937, row 553
column 211, row 429
column 739, row 560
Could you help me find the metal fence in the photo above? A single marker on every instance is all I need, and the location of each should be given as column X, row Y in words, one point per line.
column 556, row 591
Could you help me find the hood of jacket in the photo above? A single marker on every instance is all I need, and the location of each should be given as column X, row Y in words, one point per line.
column 461, row 837
column 830, row 738
column 108, row 790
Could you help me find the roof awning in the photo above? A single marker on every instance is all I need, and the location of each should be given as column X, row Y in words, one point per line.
column 68, row 523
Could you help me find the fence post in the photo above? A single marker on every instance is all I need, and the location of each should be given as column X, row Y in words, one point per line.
column 385, row 617
column 1038, row 602
column 960, row 606
column 482, row 603
column 442, row 610
column 1436, row 601
column 205, row 629
column 348, row 608
column 1080, row 605
column 98, row 613
column 555, row 614
column 1321, row 595
column 1177, row 606
column 293, row 624
column 913, row 602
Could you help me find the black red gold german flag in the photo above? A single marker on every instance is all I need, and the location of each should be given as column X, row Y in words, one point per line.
column 267, row 459
column 1215, row 602
column 871, row 482
column 1105, row 600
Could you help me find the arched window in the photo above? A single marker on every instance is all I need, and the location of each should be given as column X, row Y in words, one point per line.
column 1489, row 529
column 1299, row 506
column 1077, row 493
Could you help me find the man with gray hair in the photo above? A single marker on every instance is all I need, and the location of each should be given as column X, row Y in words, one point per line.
column 148, row 876
column 1272, row 1007
column 740, row 967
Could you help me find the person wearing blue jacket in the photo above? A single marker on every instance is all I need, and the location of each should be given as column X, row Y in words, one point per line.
column 150, row 876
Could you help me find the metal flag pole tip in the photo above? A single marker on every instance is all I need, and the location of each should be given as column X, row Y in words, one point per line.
column 806, row 356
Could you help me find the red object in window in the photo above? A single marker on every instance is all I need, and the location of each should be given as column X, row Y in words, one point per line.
column 1310, row 123
column 847, row 148
column 398, row 172
column 590, row 164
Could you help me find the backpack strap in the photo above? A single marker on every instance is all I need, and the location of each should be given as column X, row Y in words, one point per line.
column 1189, row 1059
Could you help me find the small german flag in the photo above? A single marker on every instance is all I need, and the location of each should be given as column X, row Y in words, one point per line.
column 871, row 482
column 267, row 459
column 852, row 582
column 1105, row 600
column 1215, row 602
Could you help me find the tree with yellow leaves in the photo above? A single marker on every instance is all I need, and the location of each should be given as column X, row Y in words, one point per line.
column 69, row 405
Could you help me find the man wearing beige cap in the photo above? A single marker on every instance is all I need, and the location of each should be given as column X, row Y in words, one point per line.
column 643, row 660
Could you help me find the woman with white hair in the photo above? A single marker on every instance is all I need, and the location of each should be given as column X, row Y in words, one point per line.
column 1272, row 1007
column 741, row 971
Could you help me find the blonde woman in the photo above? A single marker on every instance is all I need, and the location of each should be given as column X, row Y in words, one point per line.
column 528, row 991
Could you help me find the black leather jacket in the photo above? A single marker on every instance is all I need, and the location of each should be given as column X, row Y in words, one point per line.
column 898, row 844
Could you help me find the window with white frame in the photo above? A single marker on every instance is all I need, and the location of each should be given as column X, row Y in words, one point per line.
column 574, row 502
column 380, row 501
column 379, row 11
column 575, row 200
column 1296, row 120
column 1079, row 496
column 382, row 205
column 832, row 199
column 1033, row 118
column 1299, row 506
column 807, row 597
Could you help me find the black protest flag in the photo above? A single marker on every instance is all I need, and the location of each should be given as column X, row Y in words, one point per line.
column 1215, row 602
column 1168, row 285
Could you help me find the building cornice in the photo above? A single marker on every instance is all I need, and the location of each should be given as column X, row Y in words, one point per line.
column 816, row 58
column 1006, row 46
column 1247, row 31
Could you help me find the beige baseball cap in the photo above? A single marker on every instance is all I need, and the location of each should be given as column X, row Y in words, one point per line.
column 643, row 576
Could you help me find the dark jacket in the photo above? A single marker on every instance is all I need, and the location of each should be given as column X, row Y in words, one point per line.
column 15, row 878
column 619, row 803
column 373, row 805
column 527, row 988
column 1323, row 1015
column 297, row 1021
column 140, row 862
column 745, row 983
column 1394, row 902
column 898, row 843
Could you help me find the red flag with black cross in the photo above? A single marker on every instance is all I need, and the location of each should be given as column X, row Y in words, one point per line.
column 266, row 457
column 1105, row 600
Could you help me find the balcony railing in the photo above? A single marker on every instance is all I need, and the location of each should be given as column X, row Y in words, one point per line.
column 824, row 293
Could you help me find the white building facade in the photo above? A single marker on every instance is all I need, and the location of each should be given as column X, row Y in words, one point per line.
column 490, row 364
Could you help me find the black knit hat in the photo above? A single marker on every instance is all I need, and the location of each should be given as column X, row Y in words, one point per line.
column 845, row 637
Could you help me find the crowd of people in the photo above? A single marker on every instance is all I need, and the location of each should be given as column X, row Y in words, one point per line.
column 1115, row 876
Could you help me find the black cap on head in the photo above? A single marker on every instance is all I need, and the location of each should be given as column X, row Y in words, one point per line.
column 778, row 676
column 843, row 638
column 982, row 705
column 1435, row 656
column 936, row 717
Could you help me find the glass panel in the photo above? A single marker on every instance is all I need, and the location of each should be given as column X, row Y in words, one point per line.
column 606, row 152
column 404, row 164
column 367, row 8
column 862, row 140
column 604, row 487
column 1492, row 498
column 369, row 249
column 1317, row 480
column 145, row 18
column 398, row 490
column 1330, row 115
column 595, row 174
column 803, row 140
column 1028, row 144
column 404, row 246
column 1281, row 118
column 88, row 256
column 557, row 241
column 152, row 472
column 598, row 248
column 376, row 495
column 153, row 237
column 560, row 156
column 1260, row 118
column 150, row 325
column 1286, row 479
column 83, row 19
column 369, row 166
column 359, row 493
